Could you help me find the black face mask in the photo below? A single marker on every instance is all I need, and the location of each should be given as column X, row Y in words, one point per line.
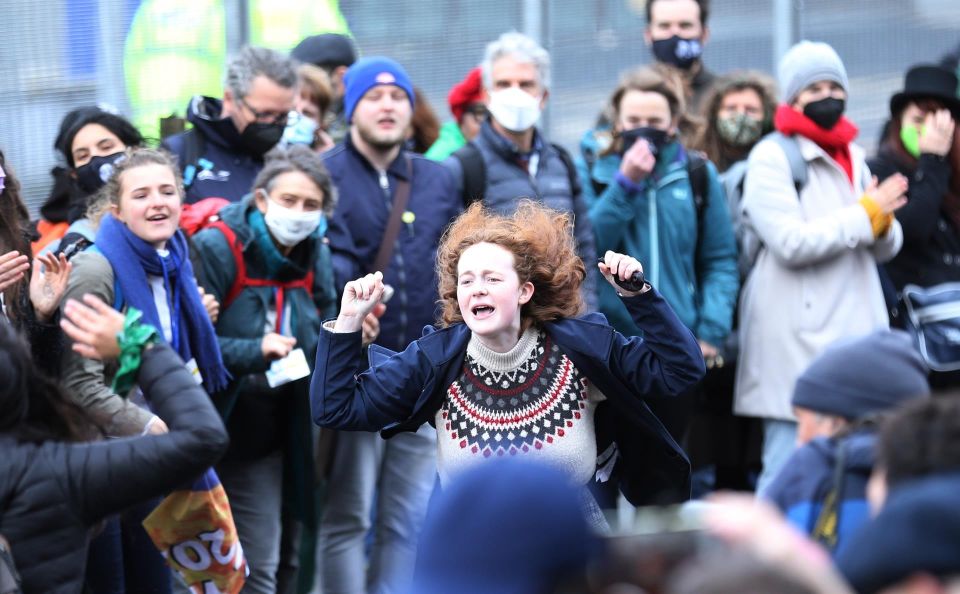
column 678, row 52
column 258, row 138
column 93, row 175
column 655, row 138
column 825, row 112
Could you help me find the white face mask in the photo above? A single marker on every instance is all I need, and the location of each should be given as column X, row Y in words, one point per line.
column 288, row 226
column 515, row 110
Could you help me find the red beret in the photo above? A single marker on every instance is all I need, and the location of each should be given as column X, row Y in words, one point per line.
column 465, row 92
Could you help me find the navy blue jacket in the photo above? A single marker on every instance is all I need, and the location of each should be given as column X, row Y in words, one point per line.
column 402, row 391
column 356, row 230
column 801, row 488
column 222, row 169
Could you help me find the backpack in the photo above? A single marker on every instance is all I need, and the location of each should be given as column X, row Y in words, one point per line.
column 475, row 171
column 733, row 179
column 696, row 174
column 242, row 279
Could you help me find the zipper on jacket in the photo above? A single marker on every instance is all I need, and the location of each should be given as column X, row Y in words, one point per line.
column 654, row 233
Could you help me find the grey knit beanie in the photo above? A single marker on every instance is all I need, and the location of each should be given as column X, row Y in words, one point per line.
column 855, row 377
column 806, row 63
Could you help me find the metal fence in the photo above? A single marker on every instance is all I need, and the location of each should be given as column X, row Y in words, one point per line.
column 146, row 56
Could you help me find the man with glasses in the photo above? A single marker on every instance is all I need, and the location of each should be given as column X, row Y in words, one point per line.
column 223, row 153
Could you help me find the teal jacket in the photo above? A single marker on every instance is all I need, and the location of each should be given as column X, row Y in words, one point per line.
column 656, row 222
column 242, row 324
column 261, row 419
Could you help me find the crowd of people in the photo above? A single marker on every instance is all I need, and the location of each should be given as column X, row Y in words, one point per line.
column 719, row 291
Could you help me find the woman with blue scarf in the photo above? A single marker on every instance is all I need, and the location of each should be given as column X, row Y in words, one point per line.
column 269, row 265
column 140, row 260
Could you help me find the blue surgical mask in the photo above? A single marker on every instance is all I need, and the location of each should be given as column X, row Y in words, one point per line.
column 301, row 131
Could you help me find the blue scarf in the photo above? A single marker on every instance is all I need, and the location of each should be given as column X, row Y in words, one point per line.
column 132, row 259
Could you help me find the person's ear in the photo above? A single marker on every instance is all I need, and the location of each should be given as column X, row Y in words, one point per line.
column 674, row 129
column 229, row 102
column 260, row 200
column 647, row 37
column 706, row 36
column 543, row 99
column 526, row 292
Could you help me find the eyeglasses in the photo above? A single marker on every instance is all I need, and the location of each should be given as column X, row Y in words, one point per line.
column 269, row 117
column 478, row 110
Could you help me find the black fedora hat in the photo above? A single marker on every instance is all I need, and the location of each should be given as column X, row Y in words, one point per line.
column 928, row 82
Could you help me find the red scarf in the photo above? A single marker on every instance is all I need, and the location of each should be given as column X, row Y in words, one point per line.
column 835, row 142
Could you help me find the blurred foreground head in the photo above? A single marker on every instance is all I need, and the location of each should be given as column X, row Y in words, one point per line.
column 508, row 527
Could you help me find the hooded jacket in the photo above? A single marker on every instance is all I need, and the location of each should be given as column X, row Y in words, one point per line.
column 659, row 225
column 802, row 487
column 222, row 168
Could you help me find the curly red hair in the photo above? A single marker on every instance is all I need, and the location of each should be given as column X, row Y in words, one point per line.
column 544, row 253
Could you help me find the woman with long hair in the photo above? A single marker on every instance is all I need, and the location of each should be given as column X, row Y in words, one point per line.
column 29, row 297
column 139, row 259
column 922, row 143
column 53, row 488
column 737, row 113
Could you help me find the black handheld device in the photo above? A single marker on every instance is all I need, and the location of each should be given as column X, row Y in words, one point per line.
column 634, row 285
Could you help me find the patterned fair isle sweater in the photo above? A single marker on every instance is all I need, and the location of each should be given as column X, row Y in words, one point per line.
column 530, row 401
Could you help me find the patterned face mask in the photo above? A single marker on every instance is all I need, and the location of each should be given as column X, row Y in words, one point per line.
column 740, row 129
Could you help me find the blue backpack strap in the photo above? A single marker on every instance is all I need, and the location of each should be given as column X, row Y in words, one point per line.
column 798, row 165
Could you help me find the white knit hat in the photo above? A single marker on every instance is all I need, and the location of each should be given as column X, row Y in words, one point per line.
column 806, row 63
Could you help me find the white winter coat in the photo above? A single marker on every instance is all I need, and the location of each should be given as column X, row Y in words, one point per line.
column 815, row 278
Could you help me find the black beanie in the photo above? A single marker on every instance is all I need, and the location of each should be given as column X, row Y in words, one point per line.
column 855, row 377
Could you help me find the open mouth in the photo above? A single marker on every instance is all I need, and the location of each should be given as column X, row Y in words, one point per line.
column 481, row 311
column 157, row 218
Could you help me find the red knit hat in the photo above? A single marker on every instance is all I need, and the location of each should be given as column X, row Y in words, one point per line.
column 465, row 92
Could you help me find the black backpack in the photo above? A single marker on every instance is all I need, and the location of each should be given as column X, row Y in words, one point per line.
column 696, row 173
column 475, row 171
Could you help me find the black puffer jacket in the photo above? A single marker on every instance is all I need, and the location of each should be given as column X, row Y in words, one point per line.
column 931, row 243
column 51, row 494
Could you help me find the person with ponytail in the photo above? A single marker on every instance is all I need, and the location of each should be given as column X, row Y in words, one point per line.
column 139, row 259
column 815, row 278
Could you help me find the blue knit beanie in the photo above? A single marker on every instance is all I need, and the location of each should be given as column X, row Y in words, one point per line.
column 368, row 73
column 855, row 377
